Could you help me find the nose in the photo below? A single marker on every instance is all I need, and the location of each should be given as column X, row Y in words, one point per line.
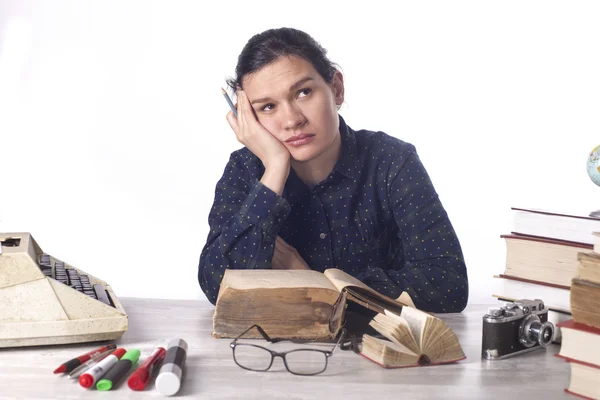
column 293, row 117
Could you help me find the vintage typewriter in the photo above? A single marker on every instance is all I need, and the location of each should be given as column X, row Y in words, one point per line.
column 45, row 301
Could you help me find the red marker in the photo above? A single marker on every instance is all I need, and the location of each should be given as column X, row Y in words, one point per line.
column 140, row 378
column 76, row 362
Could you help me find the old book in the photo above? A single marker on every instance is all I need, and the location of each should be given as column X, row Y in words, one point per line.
column 415, row 339
column 585, row 302
column 589, row 266
column 542, row 259
column 294, row 304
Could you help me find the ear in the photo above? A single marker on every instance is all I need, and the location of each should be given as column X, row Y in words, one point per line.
column 337, row 85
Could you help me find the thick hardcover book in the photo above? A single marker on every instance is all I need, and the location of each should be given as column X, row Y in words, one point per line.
column 585, row 302
column 542, row 259
column 575, row 227
column 584, row 380
column 580, row 342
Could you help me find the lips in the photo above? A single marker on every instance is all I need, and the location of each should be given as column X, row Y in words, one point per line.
column 300, row 136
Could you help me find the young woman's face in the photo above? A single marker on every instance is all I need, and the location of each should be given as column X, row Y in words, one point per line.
column 293, row 102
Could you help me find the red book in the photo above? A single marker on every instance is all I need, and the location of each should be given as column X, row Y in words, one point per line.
column 584, row 380
column 580, row 342
column 388, row 366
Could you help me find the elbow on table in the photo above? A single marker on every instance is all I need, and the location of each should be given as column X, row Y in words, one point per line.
column 461, row 298
column 207, row 284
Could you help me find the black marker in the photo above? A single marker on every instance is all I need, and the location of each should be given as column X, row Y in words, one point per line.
column 116, row 373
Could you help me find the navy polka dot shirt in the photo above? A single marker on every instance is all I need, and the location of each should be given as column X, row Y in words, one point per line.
column 377, row 217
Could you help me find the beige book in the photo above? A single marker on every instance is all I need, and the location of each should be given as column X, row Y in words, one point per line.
column 414, row 338
column 541, row 259
column 585, row 302
column 589, row 266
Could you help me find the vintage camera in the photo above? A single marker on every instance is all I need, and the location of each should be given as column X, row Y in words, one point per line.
column 515, row 328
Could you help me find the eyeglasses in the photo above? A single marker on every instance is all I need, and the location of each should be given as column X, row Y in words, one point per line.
column 299, row 361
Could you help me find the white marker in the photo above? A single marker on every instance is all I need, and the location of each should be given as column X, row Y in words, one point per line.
column 91, row 376
column 168, row 381
column 76, row 373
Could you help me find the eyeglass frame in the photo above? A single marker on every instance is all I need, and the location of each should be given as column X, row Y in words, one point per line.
column 327, row 353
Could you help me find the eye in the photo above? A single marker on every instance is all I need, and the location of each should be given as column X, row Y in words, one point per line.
column 304, row 92
column 267, row 107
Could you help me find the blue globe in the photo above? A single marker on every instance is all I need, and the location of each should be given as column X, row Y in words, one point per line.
column 593, row 165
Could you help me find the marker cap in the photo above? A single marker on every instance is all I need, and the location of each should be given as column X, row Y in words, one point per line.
column 132, row 355
column 139, row 379
column 104, row 384
column 120, row 352
column 86, row 381
column 168, row 383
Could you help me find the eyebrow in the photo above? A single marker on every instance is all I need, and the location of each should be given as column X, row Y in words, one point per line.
column 294, row 86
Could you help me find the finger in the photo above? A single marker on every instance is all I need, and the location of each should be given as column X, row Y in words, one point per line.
column 242, row 99
column 247, row 112
column 281, row 245
column 277, row 263
column 233, row 122
column 285, row 244
column 280, row 251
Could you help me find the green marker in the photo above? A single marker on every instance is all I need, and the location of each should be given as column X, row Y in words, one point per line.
column 116, row 373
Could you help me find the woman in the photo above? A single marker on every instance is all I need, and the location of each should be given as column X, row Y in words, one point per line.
column 309, row 192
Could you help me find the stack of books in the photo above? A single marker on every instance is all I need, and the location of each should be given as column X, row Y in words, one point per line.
column 580, row 344
column 542, row 258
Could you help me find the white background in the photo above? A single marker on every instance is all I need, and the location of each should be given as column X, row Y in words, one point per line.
column 113, row 131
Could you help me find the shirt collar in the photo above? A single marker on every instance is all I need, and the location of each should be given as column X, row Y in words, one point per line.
column 348, row 164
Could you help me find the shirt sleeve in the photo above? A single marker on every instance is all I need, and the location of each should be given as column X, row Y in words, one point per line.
column 244, row 221
column 432, row 271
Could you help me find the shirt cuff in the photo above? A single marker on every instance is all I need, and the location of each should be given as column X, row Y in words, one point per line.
column 265, row 209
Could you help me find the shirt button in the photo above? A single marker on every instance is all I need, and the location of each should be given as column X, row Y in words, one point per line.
column 323, row 235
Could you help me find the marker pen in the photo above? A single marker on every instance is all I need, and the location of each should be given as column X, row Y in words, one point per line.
column 140, row 378
column 116, row 373
column 168, row 381
column 76, row 362
column 88, row 364
column 91, row 376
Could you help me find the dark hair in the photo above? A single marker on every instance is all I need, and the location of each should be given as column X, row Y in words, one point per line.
column 264, row 48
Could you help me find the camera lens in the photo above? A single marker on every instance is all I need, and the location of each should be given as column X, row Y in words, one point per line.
column 541, row 333
column 533, row 331
column 547, row 333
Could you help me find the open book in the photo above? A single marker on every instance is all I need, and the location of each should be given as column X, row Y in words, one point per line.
column 415, row 338
column 310, row 305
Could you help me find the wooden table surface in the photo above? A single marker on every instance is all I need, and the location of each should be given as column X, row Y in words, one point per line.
column 212, row 374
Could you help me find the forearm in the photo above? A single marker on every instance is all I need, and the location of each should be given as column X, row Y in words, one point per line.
column 275, row 176
column 243, row 240
column 233, row 248
column 435, row 286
